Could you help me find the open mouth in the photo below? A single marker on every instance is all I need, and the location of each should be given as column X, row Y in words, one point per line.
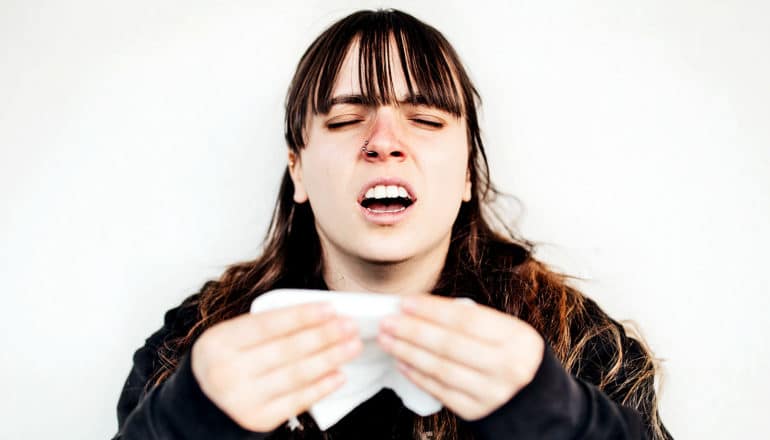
column 387, row 199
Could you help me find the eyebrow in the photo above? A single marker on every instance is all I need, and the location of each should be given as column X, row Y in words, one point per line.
column 361, row 100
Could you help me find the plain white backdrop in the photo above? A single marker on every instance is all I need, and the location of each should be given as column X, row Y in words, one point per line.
column 141, row 146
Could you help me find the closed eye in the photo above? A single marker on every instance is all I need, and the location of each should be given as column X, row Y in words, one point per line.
column 334, row 125
column 429, row 123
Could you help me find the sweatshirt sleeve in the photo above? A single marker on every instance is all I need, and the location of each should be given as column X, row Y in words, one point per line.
column 175, row 409
column 556, row 405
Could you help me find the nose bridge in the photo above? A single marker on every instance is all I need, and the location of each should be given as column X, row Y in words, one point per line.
column 386, row 137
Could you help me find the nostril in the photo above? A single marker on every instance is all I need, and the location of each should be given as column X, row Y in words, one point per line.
column 397, row 154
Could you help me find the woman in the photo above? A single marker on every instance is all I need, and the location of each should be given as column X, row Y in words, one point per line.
column 387, row 190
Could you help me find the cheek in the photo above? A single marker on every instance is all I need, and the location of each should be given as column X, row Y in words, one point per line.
column 449, row 171
column 324, row 175
column 450, row 187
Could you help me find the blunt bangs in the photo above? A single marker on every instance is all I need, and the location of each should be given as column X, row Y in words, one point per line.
column 432, row 70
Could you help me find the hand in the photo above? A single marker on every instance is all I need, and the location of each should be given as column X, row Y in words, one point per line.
column 470, row 357
column 261, row 369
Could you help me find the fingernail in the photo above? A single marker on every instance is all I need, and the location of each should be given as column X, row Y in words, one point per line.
column 336, row 379
column 352, row 346
column 386, row 340
column 388, row 323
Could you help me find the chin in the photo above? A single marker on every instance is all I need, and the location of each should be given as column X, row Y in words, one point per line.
column 397, row 249
column 384, row 256
column 394, row 248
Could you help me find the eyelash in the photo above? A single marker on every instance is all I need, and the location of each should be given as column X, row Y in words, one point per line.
column 335, row 125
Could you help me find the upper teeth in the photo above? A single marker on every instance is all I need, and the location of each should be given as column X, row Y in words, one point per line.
column 386, row 192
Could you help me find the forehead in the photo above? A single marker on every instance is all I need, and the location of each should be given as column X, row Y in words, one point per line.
column 350, row 78
column 388, row 70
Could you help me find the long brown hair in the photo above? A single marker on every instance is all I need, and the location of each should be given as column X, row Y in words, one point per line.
column 487, row 260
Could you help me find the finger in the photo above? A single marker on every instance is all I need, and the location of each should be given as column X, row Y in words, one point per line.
column 458, row 402
column 450, row 375
column 476, row 320
column 287, row 379
column 300, row 400
column 445, row 342
column 251, row 329
column 286, row 350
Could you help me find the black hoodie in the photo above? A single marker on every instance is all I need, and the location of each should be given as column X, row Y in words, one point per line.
column 555, row 405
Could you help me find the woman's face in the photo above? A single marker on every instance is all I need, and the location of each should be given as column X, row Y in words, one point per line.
column 414, row 148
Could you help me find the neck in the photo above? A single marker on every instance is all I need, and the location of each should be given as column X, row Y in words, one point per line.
column 418, row 274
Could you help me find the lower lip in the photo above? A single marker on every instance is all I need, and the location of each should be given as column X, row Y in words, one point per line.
column 385, row 218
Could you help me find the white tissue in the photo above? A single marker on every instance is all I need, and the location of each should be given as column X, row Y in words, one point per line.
column 373, row 369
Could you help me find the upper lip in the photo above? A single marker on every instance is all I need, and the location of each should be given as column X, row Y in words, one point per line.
column 386, row 181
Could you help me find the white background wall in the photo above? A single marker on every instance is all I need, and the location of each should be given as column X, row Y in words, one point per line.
column 141, row 146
